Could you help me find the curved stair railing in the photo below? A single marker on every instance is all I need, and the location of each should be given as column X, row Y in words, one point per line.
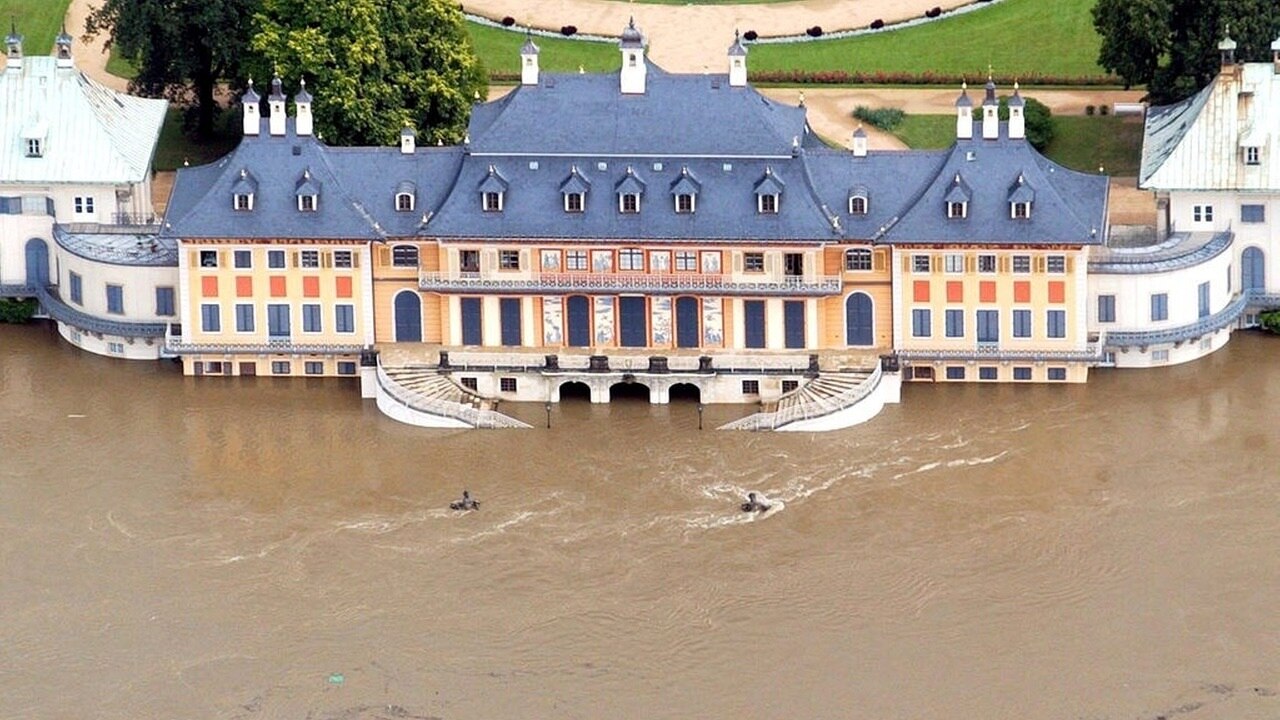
column 474, row 416
column 799, row 404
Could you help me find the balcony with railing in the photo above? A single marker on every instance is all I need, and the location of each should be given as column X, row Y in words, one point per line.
column 273, row 346
column 1182, row 333
column 995, row 352
column 610, row 283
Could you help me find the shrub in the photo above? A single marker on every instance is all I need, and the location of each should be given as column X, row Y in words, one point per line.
column 877, row 24
column 508, row 21
column 1104, row 109
column 750, row 35
column 929, row 77
column 1270, row 321
column 883, row 118
column 568, row 30
column 1089, row 109
column 933, row 12
column 815, row 31
column 17, row 311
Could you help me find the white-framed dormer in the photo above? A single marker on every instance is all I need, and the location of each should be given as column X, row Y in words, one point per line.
column 629, row 190
column 859, row 200
column 573, row 191
column 684, row 192
column 769, row 193
column 957, row 199
column 308, row 193
column 35, row 138
column 493, row 191
column 1021, row 197
column 406, row 197
column 243, row 191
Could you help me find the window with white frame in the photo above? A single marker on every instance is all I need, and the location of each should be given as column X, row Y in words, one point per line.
column 1020, row 210
column 684, row 203
column 1253, row 213
column 630, row 259
column 35, row 148
column 768, row 204
column 986, row 263
column 1022, row 264
column 404, row 256
column 310, row 258
column 858, row 205
column 1202, row 213
column 957, row 209
column 492, row 202
column 83, row 205
column 686, row 261
column 208, row 258
column 243, row 259
column 1056, row 264
column 404, row 202
column 857, row 259
column 243, row 201
column 629, row 203
column 509, row 259
column 307, row 203
column 275, row 259
column 573, row 202
column 342, row 258
column 920, row 263
column 575, row 260
column 953, row 262
column 753, row 262
column 1252, row 155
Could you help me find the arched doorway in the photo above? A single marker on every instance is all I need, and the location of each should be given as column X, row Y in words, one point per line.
column 684, row 392
column 1253, row 274
column 407, row 316
column 687, row 322
column 629, row 391
column 859, row 317
column 575, row 391
column 578, row 325
column 37, row 263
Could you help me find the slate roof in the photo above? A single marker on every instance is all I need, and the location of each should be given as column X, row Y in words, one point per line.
column 1070, row 207
column 677, row 115
column 92, row 134
column 356, row 187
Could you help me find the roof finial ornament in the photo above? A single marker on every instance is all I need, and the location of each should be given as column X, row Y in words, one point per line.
column 582, row 70
column 801, row 98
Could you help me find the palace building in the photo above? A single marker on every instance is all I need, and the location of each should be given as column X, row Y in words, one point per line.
column 77, row 230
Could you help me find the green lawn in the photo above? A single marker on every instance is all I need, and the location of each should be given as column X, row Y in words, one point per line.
column 500, row 51
column 120, row 66
column 1016, row 37
column 1080, row 142
column 38, row 21
column 175, row 146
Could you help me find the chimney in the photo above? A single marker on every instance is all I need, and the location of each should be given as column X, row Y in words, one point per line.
column 859, row 142
column 63, row 43
column 633, row 63
column 1227, row 52
column 252, row 110
column 990, row 112
column 408, row 141
column 1017, row 120
column 964, row 114
column 529, row 61
column 302, row 101
column 13, row 52
column 737, row 62
column 275, row 102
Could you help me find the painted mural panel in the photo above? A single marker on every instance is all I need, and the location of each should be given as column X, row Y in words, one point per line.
column 602, row 261
column 660, row 261
column 552, row 321
column 604, row 320
column 551, row 261
column 711, row 262
column 661, row 309
column 712, row 322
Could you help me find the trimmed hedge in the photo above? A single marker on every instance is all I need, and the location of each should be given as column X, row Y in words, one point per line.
column 17, row 311
column 883, row 118
column 882, row 77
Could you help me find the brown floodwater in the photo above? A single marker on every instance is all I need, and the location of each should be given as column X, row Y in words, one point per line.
column 250, row 548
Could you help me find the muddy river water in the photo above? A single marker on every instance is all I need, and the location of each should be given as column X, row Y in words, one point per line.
column 174, row 547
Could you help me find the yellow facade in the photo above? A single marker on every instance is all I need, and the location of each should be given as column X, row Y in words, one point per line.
column 982, row 313
column 282, row 308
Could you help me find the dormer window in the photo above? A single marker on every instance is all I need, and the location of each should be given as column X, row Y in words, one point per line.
column 629, row 203
column 308, row 192
column 493, row 202
column 307, row 203
column 684, row 203
column 957, row 197
column 957, row 209
column 767, row 204
column 243, row 201
column 857, row 205
column 492, row 189
column 1021, row 195
column 574, row 202
column 1020, row 210
column 629, row 190
column 684, row 190
column 35, row 147
column 404, row 202
column 574, row 191
column 768, row 192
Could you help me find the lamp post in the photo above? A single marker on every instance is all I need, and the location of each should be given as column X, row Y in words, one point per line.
column 548, row 408
column 700, row 407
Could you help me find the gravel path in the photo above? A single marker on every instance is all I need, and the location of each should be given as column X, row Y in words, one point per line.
column 90, row 56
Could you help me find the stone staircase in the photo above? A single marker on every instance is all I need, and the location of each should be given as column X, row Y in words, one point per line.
column 427, row 391
column 824, row 395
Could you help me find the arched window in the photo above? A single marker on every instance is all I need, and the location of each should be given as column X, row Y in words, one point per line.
column 857, row 205
column 404, row 201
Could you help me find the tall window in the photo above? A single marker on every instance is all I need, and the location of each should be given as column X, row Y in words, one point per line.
column 404, row 202
column 77, row 290
column 768, row 204
column 164, row 301
column 684, row 203
column 1202, row 293
column 955, row 323
column 492, row 202
column 575, row 260
column 629, row 203
column 1159, row 307
column 1056, row 323
column 344, row 318
column 243, row 201
column 1022, row 323
column 244, row 318
column 115, row 299
column 573, row 202
column 857, row 205
column 404, row 256
column 988, row 326
column 1106, row 308
column 857, row 259
column 210, row 319
column 307, row 203
column 921, row 323
column 311, row 318
column 1020, row 210
column 631, row 259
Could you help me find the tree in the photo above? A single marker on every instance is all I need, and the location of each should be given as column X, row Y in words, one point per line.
column 374, row 66
column 182, row 47
column 1037, row 120
column 1171, row 46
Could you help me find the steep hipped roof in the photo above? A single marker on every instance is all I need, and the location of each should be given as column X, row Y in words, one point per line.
column 1197, row 143
column 91, row 134
column 587, row 114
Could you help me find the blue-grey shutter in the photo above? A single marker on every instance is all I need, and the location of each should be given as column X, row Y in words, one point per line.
column 753, row 323
column 509, row 315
